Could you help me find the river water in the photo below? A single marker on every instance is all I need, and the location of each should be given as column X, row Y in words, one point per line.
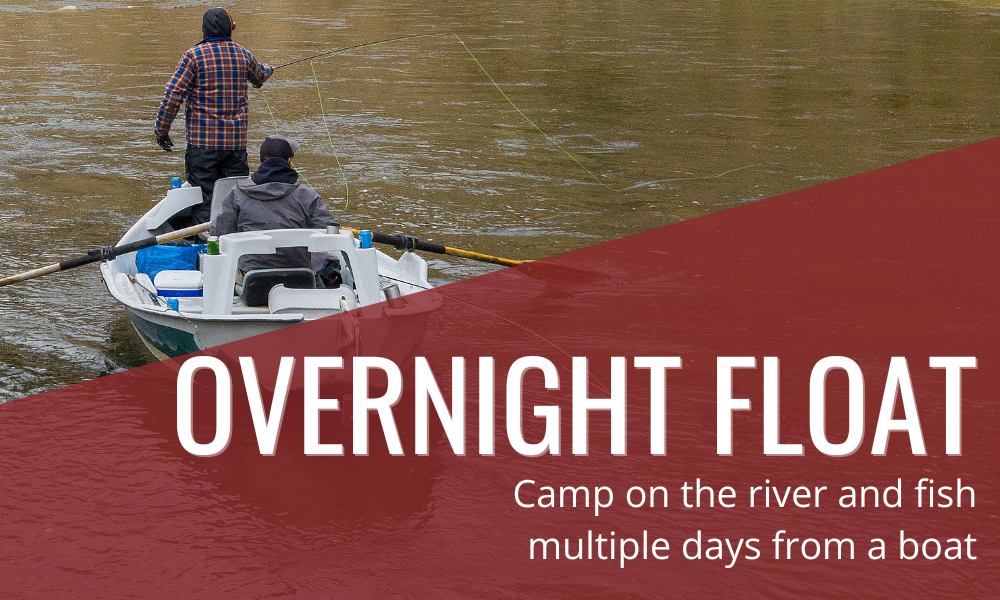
column 676, row 109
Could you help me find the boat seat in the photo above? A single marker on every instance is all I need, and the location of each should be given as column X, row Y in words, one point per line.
column 311, row 304
column 222, row 187
column 257, row 284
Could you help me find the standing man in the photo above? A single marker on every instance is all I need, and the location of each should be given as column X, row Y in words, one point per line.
column 212, row 76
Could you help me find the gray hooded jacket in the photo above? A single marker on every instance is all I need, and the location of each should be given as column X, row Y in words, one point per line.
column 274, row 203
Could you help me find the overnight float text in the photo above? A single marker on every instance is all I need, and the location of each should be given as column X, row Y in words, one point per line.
column 427, row 394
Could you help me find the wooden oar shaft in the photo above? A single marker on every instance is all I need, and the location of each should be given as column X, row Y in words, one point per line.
column 101, row 253
column 183, row 233
column 30, row 274
column 507, row 262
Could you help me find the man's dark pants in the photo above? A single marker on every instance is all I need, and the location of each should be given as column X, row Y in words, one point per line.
column 203, row 167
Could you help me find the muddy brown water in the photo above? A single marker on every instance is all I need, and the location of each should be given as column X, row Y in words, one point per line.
column 658, row 99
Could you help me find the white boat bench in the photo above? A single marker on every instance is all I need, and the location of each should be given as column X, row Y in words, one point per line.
column 220, row 269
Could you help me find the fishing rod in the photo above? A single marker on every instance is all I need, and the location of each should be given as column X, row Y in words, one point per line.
column 355, row 47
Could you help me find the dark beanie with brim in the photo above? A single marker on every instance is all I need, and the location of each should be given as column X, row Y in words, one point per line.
column 278, row 146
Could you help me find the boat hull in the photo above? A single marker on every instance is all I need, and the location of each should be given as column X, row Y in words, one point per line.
column 391, row 333
column 169, row 336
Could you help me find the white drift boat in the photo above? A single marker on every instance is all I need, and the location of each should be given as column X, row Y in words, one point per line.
column 174, row 326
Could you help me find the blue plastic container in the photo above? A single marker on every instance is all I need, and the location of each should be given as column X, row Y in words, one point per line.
column 167, row 258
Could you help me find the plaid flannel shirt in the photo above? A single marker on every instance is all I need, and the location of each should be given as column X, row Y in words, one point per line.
column 213, row 77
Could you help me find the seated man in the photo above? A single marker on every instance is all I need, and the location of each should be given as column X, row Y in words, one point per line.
column 272, row 198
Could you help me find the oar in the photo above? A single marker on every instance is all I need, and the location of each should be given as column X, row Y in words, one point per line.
column 401, row 241
column 546, row 271
column 551, row 272
column 106, row 253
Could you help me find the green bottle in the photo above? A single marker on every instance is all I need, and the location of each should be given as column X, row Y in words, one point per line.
column 213, row 245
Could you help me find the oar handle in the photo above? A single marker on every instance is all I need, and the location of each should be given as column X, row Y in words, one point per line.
column 182, row 233
column 401, row 241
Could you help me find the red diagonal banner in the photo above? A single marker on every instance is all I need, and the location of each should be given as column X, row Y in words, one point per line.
column 777, row 401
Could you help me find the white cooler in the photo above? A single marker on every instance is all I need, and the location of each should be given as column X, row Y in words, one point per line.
column 178, row 284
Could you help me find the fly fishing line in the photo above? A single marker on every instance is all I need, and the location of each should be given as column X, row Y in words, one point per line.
column 517, row 109
column 329, row 136
column 275, row 123
column 326, row 124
